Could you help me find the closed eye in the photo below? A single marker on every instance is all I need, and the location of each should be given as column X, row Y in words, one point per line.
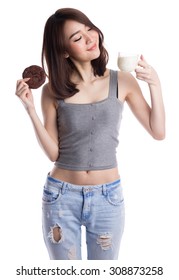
column 78, row 39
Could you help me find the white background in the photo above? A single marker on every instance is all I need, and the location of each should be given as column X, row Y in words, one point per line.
column 149, row 168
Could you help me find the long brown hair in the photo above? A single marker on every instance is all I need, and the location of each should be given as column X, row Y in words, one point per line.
column 53, row 49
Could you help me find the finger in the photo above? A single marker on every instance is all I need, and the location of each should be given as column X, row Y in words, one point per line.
column 144, row 76
column 22, row 80
column 22, row 89
column 21, row 83
column 143, row 59
column 26, row 79
column 142, row 62
column 143, row 71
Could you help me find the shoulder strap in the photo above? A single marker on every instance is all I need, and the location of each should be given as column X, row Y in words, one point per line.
column 113, row 84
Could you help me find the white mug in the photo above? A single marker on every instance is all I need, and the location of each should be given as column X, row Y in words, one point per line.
column 127, row 62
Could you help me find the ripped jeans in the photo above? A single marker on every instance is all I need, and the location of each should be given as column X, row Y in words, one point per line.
column 66, row 207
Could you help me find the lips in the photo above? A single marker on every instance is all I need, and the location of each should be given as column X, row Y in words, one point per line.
column 92, row 48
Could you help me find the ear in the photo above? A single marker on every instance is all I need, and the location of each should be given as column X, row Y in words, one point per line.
column 66, row 55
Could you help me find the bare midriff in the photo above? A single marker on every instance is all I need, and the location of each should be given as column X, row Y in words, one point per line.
column 91, row 177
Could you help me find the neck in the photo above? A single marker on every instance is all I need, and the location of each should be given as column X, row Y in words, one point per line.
column 84, row 73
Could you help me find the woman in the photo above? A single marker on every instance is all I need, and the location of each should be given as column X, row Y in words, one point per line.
column 82, row 107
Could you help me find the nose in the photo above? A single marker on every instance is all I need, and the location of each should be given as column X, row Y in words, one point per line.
column 89, row 39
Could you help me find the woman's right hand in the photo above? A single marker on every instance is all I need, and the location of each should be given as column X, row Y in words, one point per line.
column 25, row 94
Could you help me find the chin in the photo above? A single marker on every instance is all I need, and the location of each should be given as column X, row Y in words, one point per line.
column 95, row 54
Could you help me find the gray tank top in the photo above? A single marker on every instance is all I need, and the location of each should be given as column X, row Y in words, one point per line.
column 88, row 133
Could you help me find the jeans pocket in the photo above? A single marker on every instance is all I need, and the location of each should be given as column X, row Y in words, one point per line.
column 50, row 194
column 115, row 195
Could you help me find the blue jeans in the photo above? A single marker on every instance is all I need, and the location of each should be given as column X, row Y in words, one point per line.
column 66, row 207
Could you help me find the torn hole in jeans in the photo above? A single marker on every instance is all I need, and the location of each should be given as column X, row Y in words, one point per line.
column 105, row 241
column 56, row 235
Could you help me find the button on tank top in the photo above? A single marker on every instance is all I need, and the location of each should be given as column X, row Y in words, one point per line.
column 88, row 133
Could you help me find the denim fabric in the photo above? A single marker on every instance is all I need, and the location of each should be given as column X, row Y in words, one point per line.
column 67, row 207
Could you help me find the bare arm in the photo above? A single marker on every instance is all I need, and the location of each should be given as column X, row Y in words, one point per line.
column 46, row 134
column 151, row 117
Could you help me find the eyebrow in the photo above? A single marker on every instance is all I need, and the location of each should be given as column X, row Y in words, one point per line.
column 74, row 34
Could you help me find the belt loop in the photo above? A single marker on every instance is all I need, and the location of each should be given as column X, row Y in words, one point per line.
column 104, row 189
column 64, row 187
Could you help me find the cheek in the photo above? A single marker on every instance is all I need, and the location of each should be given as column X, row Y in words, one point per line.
column 75, row 50
column 95, row 35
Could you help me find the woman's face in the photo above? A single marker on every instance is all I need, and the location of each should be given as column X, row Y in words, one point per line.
column 82, row 42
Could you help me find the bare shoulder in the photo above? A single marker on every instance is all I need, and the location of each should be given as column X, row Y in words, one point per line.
column 46, row 91
column 127, row 84
column 107, row 73
column 47, row 96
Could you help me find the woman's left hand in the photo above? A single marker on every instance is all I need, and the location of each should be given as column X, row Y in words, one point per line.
column 146, row 73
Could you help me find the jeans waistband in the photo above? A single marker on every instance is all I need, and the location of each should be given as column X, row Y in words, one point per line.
column 80, row 188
